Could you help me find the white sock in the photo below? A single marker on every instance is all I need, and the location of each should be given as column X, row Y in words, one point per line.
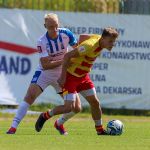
column 98, row 122
column 65, row 117
column 21, row 112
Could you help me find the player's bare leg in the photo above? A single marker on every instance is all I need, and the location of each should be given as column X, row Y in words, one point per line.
column 96, row 113
column 33, row 92
column 61, row 109
column 65, row 117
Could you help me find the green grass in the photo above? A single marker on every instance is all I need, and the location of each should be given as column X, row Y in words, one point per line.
column 81, row 136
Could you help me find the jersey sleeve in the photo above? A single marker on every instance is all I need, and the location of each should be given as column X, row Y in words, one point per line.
column 72, row 38
column 41, row 49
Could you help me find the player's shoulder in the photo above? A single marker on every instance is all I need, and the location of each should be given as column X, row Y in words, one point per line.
column 87, row 38
column 65, row 31
column 94, row 39
column 89, row 41
column 94, row 36
column 41, row 39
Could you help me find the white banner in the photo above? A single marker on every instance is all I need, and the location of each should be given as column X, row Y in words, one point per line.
column 121, row 77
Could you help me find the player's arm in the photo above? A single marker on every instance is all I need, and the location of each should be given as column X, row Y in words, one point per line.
column 72, row 39
column 48, row 64
column 66, row 63
column 67, row 58
column 45, row 60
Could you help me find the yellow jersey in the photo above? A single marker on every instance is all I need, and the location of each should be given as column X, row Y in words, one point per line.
column 88, row 52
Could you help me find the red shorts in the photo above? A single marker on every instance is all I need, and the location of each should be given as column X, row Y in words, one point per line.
column 75, row 84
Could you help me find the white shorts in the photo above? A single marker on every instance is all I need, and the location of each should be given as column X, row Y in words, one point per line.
column 46, row 78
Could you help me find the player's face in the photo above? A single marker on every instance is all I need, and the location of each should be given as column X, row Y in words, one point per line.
column 52, row 27
column 109, row 42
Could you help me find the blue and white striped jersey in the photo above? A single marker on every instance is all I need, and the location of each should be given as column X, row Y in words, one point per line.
column 55, row 48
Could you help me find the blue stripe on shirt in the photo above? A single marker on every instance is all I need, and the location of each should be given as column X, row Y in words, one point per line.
column 56, row 45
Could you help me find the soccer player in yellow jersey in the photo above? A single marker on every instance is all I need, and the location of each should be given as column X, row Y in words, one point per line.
column 75, row 77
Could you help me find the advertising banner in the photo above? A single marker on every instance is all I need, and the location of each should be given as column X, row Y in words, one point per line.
column 121, row 77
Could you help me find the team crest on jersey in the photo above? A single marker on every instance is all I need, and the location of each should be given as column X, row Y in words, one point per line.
column 39, row 49
column 81, row 48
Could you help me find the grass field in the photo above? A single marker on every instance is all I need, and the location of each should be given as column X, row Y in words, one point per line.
column 81, row 136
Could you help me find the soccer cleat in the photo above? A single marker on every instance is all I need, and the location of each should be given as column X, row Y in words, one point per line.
column 104, row 132
column 60, row 128
column 11, row 131
column 40, row 122
column 100, row 130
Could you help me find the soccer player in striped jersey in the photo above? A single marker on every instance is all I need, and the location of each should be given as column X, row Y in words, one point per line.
column 52, row 47
column 75, row 78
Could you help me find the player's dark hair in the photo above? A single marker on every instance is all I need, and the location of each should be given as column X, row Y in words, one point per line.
column 110, row 32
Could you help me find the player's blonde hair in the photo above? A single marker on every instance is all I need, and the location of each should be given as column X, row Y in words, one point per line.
column 51, row 16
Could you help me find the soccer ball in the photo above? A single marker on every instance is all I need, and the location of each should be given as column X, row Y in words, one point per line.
column 115, row 127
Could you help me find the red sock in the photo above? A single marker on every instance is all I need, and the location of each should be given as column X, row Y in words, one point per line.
column 46, row 115
column 99, row 129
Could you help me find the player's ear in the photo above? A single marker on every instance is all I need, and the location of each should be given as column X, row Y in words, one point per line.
column 45, row 25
